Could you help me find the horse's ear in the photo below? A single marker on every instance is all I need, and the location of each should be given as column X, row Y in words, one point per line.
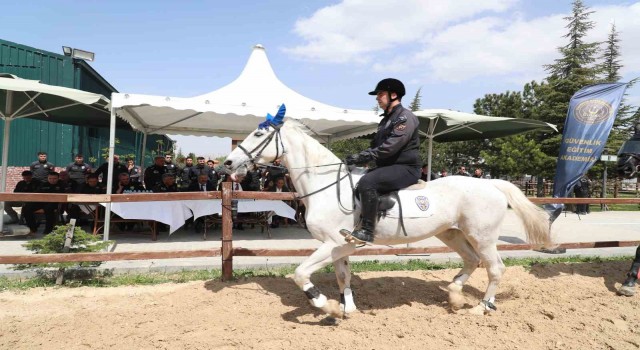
column 269, row 117
column 280, row 115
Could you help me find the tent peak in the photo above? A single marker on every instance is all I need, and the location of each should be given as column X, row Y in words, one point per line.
column 258, row 47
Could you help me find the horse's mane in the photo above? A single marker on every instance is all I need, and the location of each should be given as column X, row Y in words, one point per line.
column 314, row 147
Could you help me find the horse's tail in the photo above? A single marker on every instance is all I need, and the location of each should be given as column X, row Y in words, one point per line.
column 534, row 218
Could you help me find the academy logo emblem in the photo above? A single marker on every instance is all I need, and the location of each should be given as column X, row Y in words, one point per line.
column 422, row 202
column 593, row 111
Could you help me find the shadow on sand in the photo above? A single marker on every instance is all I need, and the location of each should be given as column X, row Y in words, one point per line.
column 609, row 272
column 372, row 294
column 379, row 293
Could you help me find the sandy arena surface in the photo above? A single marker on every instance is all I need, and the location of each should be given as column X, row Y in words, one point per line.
column 562, row 306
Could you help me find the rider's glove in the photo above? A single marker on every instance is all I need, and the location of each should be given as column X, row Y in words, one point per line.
column 351, row 159
column 357, row 159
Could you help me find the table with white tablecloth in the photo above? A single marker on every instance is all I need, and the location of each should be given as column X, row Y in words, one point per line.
column 175, row 213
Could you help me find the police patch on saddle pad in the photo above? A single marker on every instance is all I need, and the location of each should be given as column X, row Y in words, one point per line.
column 414, row 205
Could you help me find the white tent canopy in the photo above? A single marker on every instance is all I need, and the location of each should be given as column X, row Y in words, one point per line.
column 236, row 109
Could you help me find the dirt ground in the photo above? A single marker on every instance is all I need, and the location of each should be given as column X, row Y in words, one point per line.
column 562, row 306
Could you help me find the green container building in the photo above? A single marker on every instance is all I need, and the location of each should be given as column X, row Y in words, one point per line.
column 62, row 141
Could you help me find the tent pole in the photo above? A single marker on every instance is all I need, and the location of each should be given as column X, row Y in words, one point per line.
column 5, row 153
column 112, row 144
column 429, row 159
column 144, row 149
column 430, row 154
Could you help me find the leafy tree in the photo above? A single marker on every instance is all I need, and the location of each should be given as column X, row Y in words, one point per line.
column 514, row 155
column 343, row 148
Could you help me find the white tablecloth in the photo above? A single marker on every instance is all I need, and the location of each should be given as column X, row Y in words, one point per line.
column 175, row 213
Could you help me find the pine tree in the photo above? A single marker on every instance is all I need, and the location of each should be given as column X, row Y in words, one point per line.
column 415, row 103
column 577, row 56
column 571, row 72
column 611, row 57
column 611, row 65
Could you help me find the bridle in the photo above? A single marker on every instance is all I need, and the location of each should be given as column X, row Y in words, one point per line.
column 260, row 147
column 263, row 144
column 629, row 165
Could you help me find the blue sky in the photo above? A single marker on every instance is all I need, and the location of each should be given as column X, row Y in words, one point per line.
column 331, row 51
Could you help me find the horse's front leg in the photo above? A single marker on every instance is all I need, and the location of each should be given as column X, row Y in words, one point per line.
column 324, row 255
column 343, row 275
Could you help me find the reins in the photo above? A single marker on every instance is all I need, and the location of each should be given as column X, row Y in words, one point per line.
column 260, row 147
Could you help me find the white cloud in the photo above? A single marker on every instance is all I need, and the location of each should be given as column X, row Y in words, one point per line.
column 354, row 29
column 453, row 41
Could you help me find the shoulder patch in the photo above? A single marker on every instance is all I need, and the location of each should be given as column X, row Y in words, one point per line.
column 400, row 127
column 401, row 119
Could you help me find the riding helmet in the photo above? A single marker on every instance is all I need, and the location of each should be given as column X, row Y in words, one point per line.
column 390, row 85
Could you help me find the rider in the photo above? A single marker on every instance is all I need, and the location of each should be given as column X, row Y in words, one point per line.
column 395, row 149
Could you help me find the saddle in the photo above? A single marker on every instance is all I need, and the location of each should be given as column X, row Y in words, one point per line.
column 388, row 200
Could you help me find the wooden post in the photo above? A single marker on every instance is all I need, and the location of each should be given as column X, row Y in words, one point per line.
column 227, row 232
column 67, row 246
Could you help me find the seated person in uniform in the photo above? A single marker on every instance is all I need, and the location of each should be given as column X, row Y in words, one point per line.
column 92, row 186
column 134, row 171
column 70, row 186
column 153, row 175
column 27, row 185
column 125, row 185
column 168, row 184
column 51, row 186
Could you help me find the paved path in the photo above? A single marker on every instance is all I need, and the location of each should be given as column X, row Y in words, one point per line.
column 598, row 226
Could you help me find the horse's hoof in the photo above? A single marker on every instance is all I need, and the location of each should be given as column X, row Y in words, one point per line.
column 456, row 298
column 627, row 291
column 348, row 309
column 332, row 308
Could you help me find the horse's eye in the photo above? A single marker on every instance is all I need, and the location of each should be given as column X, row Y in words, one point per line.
column 258, row 133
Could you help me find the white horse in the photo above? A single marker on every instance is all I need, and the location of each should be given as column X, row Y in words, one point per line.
column 463, row 212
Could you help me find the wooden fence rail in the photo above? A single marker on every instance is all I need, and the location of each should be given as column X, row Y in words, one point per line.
column 227, row 251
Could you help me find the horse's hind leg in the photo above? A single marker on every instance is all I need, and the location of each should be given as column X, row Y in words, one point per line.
column 343, row 275
column 490, row 257
column 457, row 241
column 324, row 255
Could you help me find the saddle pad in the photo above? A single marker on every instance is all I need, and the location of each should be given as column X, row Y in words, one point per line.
column 415, row 204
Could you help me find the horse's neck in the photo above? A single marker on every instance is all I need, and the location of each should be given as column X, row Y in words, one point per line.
column 305, row 157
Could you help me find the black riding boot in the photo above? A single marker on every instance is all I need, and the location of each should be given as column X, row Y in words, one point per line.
column 369, row 203
column 629, row 285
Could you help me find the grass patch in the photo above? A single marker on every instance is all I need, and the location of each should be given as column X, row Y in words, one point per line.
column 91, row 278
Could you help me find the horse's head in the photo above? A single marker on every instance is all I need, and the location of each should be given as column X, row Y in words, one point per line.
column 263, row 145
column 628, row 165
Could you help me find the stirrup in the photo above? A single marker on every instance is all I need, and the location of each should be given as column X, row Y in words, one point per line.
column 349, row 238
